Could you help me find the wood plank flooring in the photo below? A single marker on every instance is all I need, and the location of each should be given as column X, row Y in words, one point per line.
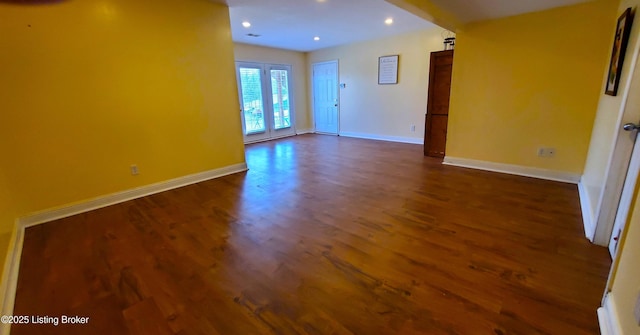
column 323, row 235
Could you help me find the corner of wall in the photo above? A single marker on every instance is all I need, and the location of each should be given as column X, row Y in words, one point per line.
column 12, row 242
column 502, row 101
column 608, row 317
column 5, row 243
column 587, row 210
column 9, row 281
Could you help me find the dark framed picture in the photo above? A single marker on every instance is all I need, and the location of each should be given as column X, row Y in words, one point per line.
column 617, row 54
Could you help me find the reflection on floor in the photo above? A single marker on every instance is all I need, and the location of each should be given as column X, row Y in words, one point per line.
column 323, row 235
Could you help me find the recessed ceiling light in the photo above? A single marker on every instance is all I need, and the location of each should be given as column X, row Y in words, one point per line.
column 246, row 24
column 388, row 21
column 316, row 38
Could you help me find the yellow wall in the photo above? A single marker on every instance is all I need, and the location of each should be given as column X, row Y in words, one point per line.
column 528, row 81
column 367, row 108
column 90, row 87
column 297, row 60
column 626, row 286
column 7, row 206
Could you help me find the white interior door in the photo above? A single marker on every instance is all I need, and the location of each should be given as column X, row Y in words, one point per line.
column 622, row 213
column 325, row 97
column 619, row 160
column 265, row 101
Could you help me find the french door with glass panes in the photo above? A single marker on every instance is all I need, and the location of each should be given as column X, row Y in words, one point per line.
column 265, row 101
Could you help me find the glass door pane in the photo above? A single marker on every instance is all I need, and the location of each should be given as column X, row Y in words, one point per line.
column 265, row 101
column 252, row 100
column 280, row 100
column 280, row 94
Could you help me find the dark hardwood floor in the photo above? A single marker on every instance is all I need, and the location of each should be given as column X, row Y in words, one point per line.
column 323, row 235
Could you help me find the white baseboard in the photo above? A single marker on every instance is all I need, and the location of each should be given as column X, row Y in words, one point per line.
column 304, row 131
column 115, row 198
column 250, row 141
column 10, row 275
column 412, row 140
column 519, row 170
column 12, row 265
column 608, row 317
column 585, row 206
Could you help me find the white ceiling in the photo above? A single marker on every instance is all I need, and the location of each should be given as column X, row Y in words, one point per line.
column 477, row 10
column 292, row 24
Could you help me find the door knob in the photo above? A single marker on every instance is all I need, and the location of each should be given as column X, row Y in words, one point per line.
column 630, row 126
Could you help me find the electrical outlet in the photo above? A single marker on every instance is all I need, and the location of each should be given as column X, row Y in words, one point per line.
column 551, row 152
column 546, row 152
column 134, row 170
column 413, row 127
column 636, row 311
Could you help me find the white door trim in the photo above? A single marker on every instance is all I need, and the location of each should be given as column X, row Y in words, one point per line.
column 270, row 132
column 608, row 317
column 313, row 109
column 615, row 173
column 291, row 130
column 622, row 214
column 256, row 136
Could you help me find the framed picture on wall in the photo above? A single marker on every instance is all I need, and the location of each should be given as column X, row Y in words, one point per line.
column 388, row 70
column 617, row 54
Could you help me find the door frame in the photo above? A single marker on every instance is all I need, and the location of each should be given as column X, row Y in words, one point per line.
column 270, row 132
column 259, row 136
column 616, row 171
column 628, row 193
column 626, row 198
column 313, row 109
column 291, row 130
column 428, row 126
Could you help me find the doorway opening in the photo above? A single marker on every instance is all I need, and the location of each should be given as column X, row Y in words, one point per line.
column 266, row 105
